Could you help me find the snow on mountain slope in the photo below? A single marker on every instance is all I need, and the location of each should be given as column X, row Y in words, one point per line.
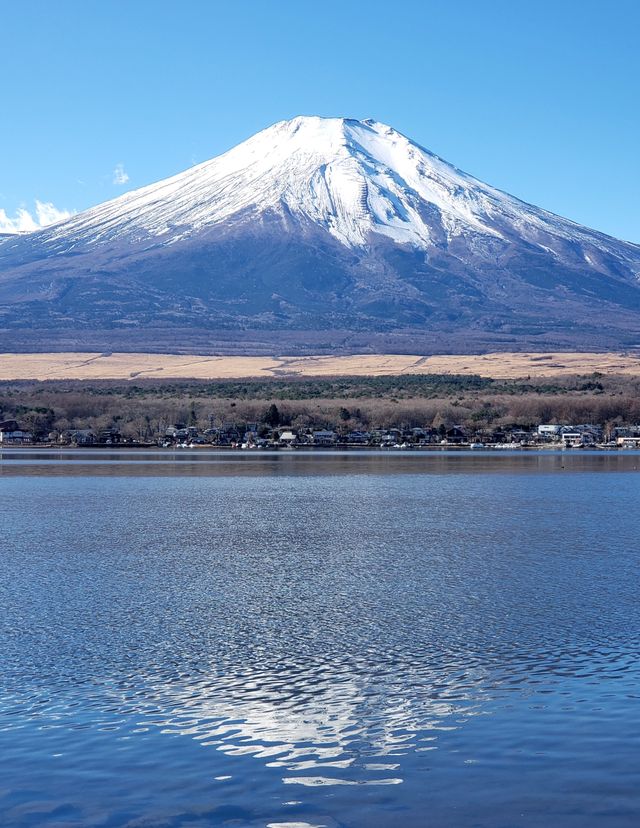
column 319, row 233
column 351, row 178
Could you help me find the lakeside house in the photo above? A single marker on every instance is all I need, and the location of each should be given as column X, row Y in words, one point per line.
column 628, row 442
column 549, row 430
column 12, row 435
column 324, row 437
column 83, row 437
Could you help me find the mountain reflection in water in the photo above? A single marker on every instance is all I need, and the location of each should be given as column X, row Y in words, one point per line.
column 319, row 640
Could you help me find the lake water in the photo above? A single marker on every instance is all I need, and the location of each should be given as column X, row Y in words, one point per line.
column 357, row 639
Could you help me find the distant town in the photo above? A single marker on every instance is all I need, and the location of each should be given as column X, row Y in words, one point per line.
column 390, row 412
column 264, row 436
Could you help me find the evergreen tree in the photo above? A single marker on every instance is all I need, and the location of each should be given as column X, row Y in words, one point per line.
column 272, row 416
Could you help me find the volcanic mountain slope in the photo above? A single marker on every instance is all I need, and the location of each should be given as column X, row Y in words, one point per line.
column 318, row 234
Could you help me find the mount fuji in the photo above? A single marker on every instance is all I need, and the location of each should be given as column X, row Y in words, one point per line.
column 318, row 235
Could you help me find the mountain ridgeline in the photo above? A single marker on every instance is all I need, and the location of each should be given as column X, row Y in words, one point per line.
column 318, row 235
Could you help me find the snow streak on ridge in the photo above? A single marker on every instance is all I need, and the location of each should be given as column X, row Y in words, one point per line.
column 355, row 179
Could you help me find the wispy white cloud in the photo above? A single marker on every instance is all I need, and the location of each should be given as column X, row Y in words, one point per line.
column 120, row 176
column 24, row 221
column 47, row 213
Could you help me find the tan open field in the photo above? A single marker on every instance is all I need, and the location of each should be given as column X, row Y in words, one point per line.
column 92, row 366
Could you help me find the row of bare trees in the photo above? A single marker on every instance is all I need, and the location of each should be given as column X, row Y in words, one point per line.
column 44, row 408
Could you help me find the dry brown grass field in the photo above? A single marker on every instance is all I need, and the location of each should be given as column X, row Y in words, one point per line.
column 122, row 366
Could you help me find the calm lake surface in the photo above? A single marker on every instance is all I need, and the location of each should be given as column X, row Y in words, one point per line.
column 196, row 638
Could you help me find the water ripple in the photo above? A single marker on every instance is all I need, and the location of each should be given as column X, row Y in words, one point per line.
column 356, row 632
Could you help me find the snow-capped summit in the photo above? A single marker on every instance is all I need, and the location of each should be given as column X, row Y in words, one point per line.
column 319, row 224
column 351, row 178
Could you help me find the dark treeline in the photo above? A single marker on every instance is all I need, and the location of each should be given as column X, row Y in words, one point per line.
column 145, row 409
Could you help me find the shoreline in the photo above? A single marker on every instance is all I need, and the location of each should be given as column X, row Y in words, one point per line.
column 493, row 448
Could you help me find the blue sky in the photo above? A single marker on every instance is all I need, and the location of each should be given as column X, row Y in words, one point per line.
column 539, row 98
